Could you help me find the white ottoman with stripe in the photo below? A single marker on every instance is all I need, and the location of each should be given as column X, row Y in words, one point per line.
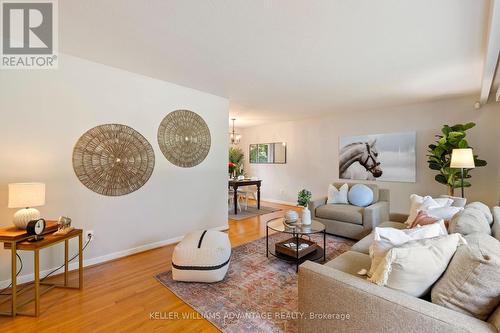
column 202, row 256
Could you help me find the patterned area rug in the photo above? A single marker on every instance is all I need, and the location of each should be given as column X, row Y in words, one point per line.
column 259, row 294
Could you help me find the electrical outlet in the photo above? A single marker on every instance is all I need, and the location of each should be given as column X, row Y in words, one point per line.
column 90, row 234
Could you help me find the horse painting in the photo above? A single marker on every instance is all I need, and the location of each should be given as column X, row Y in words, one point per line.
column 366, row 156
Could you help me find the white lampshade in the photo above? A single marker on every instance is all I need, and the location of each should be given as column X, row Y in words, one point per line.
column 462, row 158
column 24, row 195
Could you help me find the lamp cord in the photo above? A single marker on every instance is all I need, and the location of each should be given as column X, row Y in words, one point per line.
column 19, row 271
column 46, row 276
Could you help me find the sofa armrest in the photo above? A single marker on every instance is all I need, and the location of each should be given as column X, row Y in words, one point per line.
column 375, row 214
column 331, row 300
column 315, row 203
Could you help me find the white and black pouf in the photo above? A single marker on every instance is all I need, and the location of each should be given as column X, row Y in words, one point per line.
column 202, row 256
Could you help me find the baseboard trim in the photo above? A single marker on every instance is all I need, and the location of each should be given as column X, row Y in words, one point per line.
column 279, row 201
column 102, row 259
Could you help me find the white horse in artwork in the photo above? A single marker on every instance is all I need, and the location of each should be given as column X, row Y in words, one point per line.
column 366, row 154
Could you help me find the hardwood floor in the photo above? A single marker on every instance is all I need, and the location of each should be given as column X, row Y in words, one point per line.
column 119, row 295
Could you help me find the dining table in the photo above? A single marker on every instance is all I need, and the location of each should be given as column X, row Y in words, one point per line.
column 235, row 183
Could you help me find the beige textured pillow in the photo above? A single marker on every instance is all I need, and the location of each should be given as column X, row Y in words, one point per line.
column 469, row 221
column 484, row 209
column 471, row 284
column 385, row 239
column 414, row 266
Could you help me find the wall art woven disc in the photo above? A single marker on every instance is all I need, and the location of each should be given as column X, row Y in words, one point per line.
column 184, row 138
column 113, row 159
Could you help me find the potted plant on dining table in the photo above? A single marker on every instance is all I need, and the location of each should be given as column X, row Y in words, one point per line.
column 232, row 170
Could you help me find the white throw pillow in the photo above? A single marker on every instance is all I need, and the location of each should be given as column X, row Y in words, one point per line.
column 385, row 239
column 418, row 203
column 445, row 213
column 444, row 202
column 414, row 266
column 337, row 196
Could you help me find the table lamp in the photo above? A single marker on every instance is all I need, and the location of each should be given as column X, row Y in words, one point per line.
column 26, row 196
column 462, row 158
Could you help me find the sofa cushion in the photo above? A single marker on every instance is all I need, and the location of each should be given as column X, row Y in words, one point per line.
column 364, row 244
column 469, row 221
column 343, row 213
column 350, row 262
column 415, row 266
column 471, row 283
column 360, row 195
column 483, row 208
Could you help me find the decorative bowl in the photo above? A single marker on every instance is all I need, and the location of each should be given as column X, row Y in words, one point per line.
column 291, row 216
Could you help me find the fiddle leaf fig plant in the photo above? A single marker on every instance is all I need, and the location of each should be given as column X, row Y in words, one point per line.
column 439, row 156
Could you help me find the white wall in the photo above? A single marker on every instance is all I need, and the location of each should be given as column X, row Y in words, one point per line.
column 312, row 149
column 43, row 113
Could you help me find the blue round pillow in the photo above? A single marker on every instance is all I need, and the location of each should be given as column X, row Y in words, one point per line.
column 360, row 195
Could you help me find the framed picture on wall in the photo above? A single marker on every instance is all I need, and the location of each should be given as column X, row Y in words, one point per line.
column 267, row 153
column 382, row 157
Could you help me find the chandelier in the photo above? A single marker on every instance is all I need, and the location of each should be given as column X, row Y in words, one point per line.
column 233, row 136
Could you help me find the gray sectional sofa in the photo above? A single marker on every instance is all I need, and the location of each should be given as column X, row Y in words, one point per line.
column 349, row 220
column 336, row 288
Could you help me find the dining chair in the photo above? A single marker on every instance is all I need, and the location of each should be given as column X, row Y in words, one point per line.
column 247, row 191
column 231, row 200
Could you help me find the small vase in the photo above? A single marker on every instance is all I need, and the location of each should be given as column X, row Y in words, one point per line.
column 306, row 216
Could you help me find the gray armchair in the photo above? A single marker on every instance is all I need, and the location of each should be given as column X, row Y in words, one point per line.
column 349, row 220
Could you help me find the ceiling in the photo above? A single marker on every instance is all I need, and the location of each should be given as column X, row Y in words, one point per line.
column 287, row 59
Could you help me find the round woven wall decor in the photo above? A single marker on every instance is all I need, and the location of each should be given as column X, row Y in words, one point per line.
column 113, row 159
column 184, row 138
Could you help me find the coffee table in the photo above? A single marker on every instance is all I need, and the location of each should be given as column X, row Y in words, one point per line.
column 300, row 230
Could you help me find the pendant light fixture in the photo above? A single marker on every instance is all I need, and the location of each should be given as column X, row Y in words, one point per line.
column 233, row 136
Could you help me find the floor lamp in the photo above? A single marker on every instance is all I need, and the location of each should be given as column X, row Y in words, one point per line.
column 462, row 159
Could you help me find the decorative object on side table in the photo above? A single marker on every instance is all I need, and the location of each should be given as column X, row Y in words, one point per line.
column 26, row 196
column 184, row 138
column 439, row 156
column 303, row 199
column 462, row 159
column 113, row 159
column 35, row 228
column 64, row 226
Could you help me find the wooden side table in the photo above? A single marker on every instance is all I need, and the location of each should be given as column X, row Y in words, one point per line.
column 16, row 239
